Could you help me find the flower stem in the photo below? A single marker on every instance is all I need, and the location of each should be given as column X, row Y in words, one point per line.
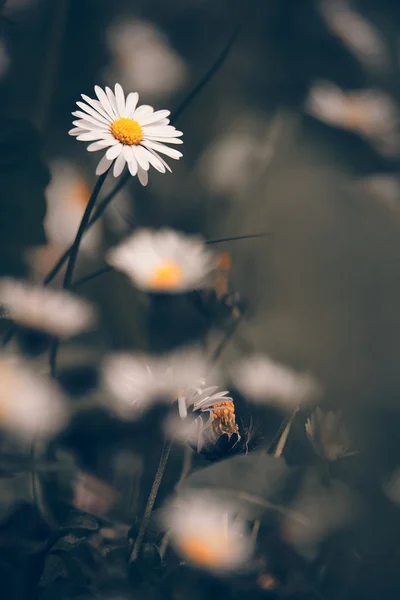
column 91, row 276
column 151, row 500
column 285, row 434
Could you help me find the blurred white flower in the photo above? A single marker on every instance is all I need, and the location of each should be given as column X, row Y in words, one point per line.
column 133, row 135
column 30, row 405
column 144, row 59
column 207, row 533
column 328, row 435
column 55, row 312
column 164, row 261
column 371, row 113
column 135, row 381
column 360, row 36
column 92, row 495
column 264, row 380
column 67, row 196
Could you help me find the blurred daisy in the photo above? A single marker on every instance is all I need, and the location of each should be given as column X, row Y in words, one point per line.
column 383, row 188
column 133, row 135
column 207, row 533
column 370, row 113
column 164, row 261
column 360, row 36
column 134, row 381
column 264, row 380
column 327, row 435
column 144, row 59
column 57, row 313
column 30, row 405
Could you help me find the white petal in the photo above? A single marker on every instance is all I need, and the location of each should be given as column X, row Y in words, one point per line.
column 95, row 146
column 91, row 136
column 143, row 176
column 92, row 112
column 131, row 103
column 171, row 152
column 98, row 106
column 76, row 131
column 112, row 101
column 89, row 126
column 103, row 165
column 133, row 166
column 142, row 112
column 120, row 99
column 155, row 117
column 157, row 138
column 155, row 161
column 102, row 96
column 160, row 158
column 164, row 131
column 95, row 120
column 114, row 151
column 119, row 165
column 141, row 157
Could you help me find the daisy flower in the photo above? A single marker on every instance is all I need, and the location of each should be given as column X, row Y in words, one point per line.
column 132, row 135
column 30, row 405
column 370, row 113
column 264, row 380
column 57, row 313
column 164, row 261
column 207, row 533
column 327, row 435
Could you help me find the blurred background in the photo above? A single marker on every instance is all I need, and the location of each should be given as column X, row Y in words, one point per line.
column 262, row 153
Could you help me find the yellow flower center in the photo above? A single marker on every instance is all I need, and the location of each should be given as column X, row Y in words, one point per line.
column 127, row 131
column 201, row 553
column 167, row 275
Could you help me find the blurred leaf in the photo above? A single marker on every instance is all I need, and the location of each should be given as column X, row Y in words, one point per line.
column 23, row 179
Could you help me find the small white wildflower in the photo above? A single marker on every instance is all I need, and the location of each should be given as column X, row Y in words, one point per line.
column 207, row 533
column 264, row 380
column 327, row 434
column 30, row 405
column 55, row 312
column 164, row 261
column 370, row 113
column 133, row 135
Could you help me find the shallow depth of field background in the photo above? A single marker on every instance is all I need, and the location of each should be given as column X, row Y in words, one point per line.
column 323, row 287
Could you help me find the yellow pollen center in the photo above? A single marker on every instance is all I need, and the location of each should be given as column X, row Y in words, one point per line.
column 200, row 553
column 127, row 131
column 167, row 275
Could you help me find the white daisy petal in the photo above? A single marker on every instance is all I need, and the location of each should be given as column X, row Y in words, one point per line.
column 120, row 99
column 166, row 132
column 99, row 107
column 132, row 164
column 160, row 158
column 143, row 176
column 155, row 161
column 95, row 147
column 157, row 116
column 102, row 96
column 131, row 103
column 119, row 165
column 171, row 152
column 92, row 112
column 157, row 138
column 103, row 165
column 111, row 99
column 90, row 137
column 76, row 131
column 94, row 120
column 142, row 112
column 114, row 151
column 141, row 157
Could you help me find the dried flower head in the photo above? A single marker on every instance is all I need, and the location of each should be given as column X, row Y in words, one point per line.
column 133, row 135
column 163, row 261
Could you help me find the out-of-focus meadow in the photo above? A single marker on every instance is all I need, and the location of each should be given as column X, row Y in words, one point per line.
column 296, row 136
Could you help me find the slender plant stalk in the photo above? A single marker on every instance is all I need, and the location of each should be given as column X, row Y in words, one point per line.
column 91, row 276
column 237, row 237
column 285, row 434
column 151, row 499
column 73, row 257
